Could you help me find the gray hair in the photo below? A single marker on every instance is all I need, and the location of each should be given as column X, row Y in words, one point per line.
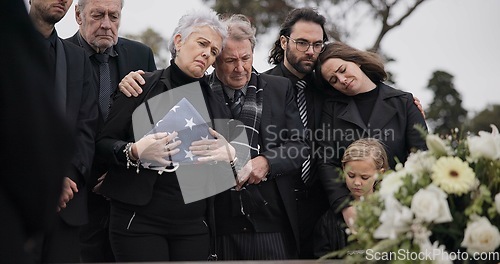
column 240, row 28
column 196, row 19
column 83, row 3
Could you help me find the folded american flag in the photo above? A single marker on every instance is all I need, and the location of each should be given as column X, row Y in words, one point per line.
column 190, row 126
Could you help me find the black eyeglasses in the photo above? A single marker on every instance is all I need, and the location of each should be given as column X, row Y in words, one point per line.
column 303, row 46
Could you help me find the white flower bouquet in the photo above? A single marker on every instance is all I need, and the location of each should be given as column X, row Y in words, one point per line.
column 442, row 205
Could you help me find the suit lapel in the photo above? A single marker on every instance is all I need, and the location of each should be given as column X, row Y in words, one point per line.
column 351, row 115
column 122, row 61
column 266, row 116
column 61, row 82
column 314, row 108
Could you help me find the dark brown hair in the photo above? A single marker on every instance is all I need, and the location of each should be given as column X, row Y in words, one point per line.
column 276, row 55
column 370, row 63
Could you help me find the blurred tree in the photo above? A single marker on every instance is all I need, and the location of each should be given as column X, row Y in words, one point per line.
column 484, row 118
column 445, row 112
column 156, row 42
column 343, row 16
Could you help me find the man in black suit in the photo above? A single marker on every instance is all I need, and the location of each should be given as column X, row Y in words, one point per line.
column 301, row 40
column 258, row 221
column 37, row 155
column 75, row 96
column 99, row 22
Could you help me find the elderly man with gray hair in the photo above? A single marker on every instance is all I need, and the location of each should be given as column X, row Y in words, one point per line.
column 112, row 57
column 257, row 220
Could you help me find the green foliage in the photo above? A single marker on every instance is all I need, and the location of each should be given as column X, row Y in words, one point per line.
column 263, row 14
column 482, row 121
column 156, row 42
column 445, row 112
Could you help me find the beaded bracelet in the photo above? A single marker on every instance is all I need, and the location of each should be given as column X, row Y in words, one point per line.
column 128, row 152
column 233, row 166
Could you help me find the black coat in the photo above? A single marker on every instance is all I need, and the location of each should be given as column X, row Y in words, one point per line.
column 37, row 143
column 392, row 121
column 82, row 116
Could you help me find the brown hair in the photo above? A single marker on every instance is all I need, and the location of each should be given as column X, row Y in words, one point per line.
column 277, row 54
column 366, row 148
column 370, row 63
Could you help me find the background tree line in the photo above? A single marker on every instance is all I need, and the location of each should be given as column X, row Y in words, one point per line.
column 343, row 20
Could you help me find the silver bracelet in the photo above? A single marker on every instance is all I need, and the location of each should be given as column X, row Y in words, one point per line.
column 233, row 166
column 128, row 152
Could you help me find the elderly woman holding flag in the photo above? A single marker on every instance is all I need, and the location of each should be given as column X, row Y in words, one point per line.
column 150, row 220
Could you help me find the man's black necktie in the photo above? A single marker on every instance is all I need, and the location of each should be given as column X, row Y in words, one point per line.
column 301, row 103
column 237, row 104
column 104, row 83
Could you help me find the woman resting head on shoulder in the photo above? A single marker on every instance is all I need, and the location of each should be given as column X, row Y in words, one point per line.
column 349, row 70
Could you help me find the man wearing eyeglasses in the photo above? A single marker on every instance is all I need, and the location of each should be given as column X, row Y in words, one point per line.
column 295, row 52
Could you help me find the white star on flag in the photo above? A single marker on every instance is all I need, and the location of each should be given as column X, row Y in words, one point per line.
column 174, row 108
column 190, row 123
column 204, row 138
column 189, row 154
column 175, row 138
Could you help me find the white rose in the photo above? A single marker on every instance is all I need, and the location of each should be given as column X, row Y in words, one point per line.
column 419, row 163
column 391, row 182
column 481, row 236
column 436, row 145
column 497, row 202
column 430, row 205
column 486, row 145
column 395, row 219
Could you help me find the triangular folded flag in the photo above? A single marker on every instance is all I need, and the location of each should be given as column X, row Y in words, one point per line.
column 190, row 126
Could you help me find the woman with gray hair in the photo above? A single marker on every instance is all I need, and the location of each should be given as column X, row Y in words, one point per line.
column 149, row 219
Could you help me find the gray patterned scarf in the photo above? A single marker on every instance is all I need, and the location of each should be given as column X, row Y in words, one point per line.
column 251, row 111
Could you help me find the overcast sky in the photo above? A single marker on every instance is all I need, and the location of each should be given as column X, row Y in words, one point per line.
column 457, row 36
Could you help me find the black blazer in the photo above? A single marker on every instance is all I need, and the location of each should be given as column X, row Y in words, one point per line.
column 132, row 56
column 392, row 122
column 314, row 99
column 82, row 116
column 278, row 116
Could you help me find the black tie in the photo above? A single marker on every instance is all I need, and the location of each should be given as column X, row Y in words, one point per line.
column 301, row 103
column 104, row 84
column 237, row 104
